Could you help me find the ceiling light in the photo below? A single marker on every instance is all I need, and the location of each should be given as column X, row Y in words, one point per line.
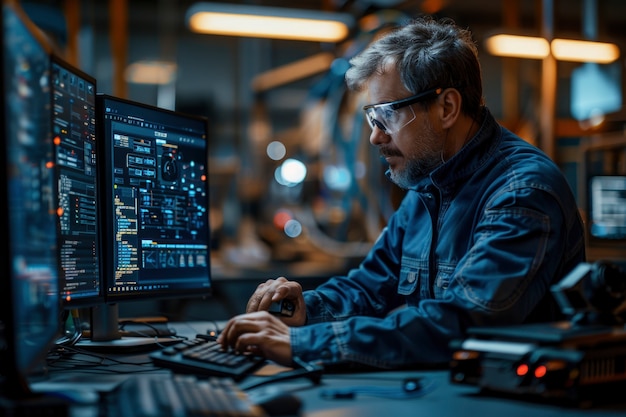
column 268, row 22
column 584, row 51
column 518, row 46
column 150, row 72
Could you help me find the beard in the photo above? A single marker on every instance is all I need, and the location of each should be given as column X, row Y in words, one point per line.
column 414, row 171
column 421, row 162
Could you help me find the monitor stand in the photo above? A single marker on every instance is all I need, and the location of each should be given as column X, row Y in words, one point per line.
column 105, row 334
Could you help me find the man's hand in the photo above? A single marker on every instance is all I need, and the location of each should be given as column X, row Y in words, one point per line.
column 259, row 333
column 274, row 290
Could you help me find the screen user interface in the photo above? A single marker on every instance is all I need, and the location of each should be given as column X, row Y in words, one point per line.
column 608, row 206
column 156, row 201
column 74, row 136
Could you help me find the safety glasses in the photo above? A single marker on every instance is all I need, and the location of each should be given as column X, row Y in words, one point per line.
column 388, row 118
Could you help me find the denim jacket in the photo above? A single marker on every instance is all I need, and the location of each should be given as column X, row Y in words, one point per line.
column 478, row 242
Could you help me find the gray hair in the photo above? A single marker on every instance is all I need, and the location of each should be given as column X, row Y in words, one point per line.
column 427, row 53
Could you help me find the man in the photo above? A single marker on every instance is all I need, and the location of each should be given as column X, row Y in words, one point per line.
column 488, row 224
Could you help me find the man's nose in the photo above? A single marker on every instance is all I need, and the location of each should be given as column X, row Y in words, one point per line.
column 378, row 137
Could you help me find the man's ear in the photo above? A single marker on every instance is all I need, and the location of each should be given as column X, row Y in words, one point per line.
column 450, row 100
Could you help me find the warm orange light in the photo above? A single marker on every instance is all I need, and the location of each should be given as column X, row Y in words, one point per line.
column 463, row 355
column 267, row 27
column 518, row 46
column 281, row 217
column 267, row 22
column 534, row 47
column 584, row 51
column 151, row 72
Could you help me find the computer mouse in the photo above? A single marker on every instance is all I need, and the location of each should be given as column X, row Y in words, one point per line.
column 285, row 404
column 276, row 401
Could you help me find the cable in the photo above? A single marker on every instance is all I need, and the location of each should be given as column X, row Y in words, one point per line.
column 73, row 335
column 158, row 330
column 62, row 358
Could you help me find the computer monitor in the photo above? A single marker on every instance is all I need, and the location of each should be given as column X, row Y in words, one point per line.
column 604, row 195
column 29, row 302
column 154, row 202
column 74, row 137
column 607, row 207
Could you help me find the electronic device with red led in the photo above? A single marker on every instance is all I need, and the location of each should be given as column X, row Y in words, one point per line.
column 579, row 360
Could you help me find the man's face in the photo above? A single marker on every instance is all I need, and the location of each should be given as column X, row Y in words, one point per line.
column 414, row 146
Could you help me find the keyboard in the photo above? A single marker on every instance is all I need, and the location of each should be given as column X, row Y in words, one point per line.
column 203, row 356
column 179, row 396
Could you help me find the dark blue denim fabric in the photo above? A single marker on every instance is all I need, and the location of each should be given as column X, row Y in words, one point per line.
column 478, row 242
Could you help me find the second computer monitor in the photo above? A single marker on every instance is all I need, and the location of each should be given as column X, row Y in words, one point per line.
column 154, row 201
column 74, row 136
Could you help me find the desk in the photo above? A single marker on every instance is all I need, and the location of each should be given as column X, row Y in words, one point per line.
column 444, row 400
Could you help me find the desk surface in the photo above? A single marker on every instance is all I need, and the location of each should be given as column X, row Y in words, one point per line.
column 444, row 399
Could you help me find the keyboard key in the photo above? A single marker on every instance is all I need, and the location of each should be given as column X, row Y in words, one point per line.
column 205, row 357
column 179, row 396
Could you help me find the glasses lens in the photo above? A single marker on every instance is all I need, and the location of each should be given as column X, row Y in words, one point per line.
column 389, row 120
column 370, row 115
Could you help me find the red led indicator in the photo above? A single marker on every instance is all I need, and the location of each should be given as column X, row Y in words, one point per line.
column 540, row 371
column 522, row 370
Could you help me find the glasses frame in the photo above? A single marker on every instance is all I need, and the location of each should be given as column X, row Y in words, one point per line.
column 398, row 104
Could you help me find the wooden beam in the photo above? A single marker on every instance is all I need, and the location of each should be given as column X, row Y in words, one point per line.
column 292, row 72
column 118, row 14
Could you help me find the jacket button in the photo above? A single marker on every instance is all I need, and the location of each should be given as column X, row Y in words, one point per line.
column 411, row 277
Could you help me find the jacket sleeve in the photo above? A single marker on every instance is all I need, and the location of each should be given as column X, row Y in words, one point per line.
column 369, row 290
column 349, row 319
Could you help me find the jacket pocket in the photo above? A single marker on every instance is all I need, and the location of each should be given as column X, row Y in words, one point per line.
column 442, row 282
column 412, row 272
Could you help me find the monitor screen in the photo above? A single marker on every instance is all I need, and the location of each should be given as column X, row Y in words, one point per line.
column 607, row 207
column 29, row 302
column 154, row 202
column 603, row 191
column 74, row 136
